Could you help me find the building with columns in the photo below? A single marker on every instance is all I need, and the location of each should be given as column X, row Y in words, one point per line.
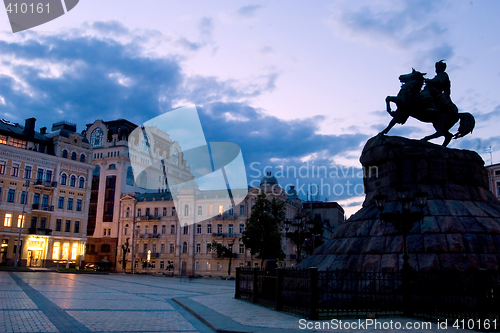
column 44, row 193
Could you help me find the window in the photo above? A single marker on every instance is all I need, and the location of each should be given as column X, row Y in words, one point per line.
column 127, row 213
column 147, row 212
column 145, row 248
column 65, row 251
column 45, row 200
column 155, row 229
column 230, row 212
column 139, row 212
column 162, row 248
column 197, row 266
column 184, row 247
column 498, row 189
column 130, row 176
column 81, row 182
column 164, row 211
column 171, row 248
column 242, row 248
column 64, row 179
column 7, row 220
column 198, row 229
column 219, row 228
column 27, row 171
column 185, row 230
column 186, row 210
column 10, row 195
column 242, row 209
column 82, row 158
column 200, row 210
column 242, row 228
column 209, row 228
column 72, row 181
column 2, row 167
column 198, row 248
column 65, row 153
column 230, row 230
column 70, row 203
column 221, row 209
column 163, row 229
column 48, row 175
column 175, row 157
column 18, row 143
column 125, row 230
column 43, row 223
column 209, row 266
column 34, row 220
column 67, row 227
column 172, row 229
column 74, row 251
column 154, row 248
column 209, row 248
column 173, row 211
column 14, row 172
column 105, row 248
column 210, row 210
column 219, row 266
column 58, row 224
column 156, row 212
column 36, row 198
column 55, row 250
column 77, row 227
column 78, row 205
column 112, row 167
column 23, row 197
column 60, row 203
column 143, row 180
column 39, row 174
column 73, row 156
column 162, row 265
column 3, row 139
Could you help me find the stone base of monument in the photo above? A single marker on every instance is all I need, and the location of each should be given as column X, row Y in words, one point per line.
column 460, row 230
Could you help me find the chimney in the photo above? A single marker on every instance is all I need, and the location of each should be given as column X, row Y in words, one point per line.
column 29, row 127
column 43, row 130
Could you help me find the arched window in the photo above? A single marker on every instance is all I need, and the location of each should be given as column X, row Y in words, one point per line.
column 64, row 179
column 184, row 247
column 82, row 158
column 97, row 171
column 65, row 153
column 125, row 230
column 186, row 210
column 112, row 167
column 130, row 176
column 96, row 137
column 175, row 157
column 72, row 181
column 73, row 156
column 81, row 182
column 143, row 180
column 127, row 213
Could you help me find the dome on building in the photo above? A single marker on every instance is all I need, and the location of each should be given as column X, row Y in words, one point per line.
column 292, row 193
column 268, row 180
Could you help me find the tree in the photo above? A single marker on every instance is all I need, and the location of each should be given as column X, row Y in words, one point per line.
column 125, row 250
column 262, row 235
column 222, row 252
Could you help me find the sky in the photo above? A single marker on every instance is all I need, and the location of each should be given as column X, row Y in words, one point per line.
column 297, row 85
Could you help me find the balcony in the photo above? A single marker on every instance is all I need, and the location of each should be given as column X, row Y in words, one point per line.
column 145, row 255
column 226, row 216
column 42, row 208
column 148, row 218
column 225, row 235
column 214, row 255
column 45, row 183
column 149, row 235
column 40, row 231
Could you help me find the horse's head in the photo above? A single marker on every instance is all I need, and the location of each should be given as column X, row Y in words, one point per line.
column 413, row 76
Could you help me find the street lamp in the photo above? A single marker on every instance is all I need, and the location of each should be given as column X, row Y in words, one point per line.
column 230, row 252
column 21, row 224
column 403, row 221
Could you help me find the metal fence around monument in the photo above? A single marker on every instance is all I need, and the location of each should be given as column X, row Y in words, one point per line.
column 473, row 297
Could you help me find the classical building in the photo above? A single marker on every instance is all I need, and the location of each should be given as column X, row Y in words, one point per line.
column 151, row 231
column 114, row 175
column 44, row 191
column 494, row 178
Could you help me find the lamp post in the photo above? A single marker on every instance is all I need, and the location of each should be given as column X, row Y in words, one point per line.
column 403, row 221
column 230, row 252
column 21, row 225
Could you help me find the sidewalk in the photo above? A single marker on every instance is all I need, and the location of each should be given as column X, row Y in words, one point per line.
column 226, row 314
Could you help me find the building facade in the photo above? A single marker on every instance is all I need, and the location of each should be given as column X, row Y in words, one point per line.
column 44, row 193
column 494, row 177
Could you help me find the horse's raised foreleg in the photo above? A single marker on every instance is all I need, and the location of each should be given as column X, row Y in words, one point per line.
column 388, row 101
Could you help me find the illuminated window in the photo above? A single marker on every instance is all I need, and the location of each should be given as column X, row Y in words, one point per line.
column 18, row 143
column 210, row 210
column 20, row 219
column 65, row 251
column 55, row 250
column 3, row 139
column 74, row 251
column 221, row 210
column 2, row 167
column 7, row 220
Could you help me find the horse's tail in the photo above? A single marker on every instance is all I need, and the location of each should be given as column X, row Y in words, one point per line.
column 467, row 123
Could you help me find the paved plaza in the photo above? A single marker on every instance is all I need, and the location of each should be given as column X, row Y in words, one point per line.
column 56, row 302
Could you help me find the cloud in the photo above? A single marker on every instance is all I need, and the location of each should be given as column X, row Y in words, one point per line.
column 206, row 26
column 248, row 11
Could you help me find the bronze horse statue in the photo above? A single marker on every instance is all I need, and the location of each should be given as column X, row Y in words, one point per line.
column 410, row 103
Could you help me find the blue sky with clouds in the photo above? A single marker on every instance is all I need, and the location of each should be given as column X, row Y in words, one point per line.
column 294, row 84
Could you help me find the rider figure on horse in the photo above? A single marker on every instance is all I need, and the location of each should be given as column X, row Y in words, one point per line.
column 436, row 93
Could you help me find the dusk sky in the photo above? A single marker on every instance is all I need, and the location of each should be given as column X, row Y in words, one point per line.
column 293, row 83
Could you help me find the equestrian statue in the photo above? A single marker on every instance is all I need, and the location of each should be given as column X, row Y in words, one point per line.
column 430, row 105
